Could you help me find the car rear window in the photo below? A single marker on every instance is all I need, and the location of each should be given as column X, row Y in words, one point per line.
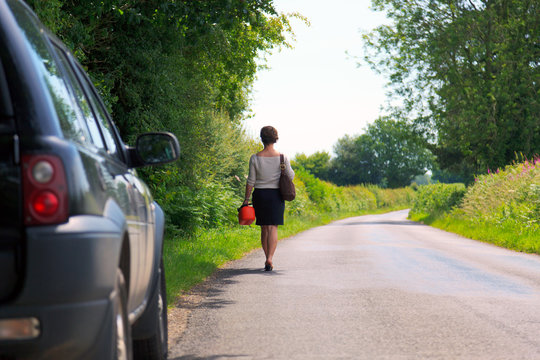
column 100, row 114
column 64, row 104
column 82, row 101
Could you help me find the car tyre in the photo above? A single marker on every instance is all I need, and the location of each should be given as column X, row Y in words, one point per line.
column 122, row 330
column 156, row 346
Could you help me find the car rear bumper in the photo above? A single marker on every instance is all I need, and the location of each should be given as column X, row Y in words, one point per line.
column 70, row 274
column 69, row 331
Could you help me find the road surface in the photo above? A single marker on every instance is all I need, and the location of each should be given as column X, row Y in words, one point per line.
column 371, row 287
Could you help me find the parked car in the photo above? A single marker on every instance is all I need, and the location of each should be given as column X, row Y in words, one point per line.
column 81, row 239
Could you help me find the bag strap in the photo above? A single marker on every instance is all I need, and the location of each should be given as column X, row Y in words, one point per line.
column 281, row 163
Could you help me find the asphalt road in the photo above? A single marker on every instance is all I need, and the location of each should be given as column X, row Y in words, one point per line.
column 371, row 287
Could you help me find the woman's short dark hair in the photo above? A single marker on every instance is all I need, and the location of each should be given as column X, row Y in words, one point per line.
column 269, row 135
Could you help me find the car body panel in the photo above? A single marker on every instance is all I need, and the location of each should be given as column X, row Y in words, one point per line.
column 10, row 194
column 64, row 274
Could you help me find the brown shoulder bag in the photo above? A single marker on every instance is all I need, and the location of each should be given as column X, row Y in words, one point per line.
column 286, row 186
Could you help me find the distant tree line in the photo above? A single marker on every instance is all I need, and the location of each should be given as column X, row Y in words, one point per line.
column 388, row 154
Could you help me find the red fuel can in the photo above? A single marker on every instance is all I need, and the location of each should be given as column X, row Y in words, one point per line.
column 246, row 215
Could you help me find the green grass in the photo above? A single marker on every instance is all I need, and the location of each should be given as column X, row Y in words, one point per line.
column 505, row 235
column 188, row 261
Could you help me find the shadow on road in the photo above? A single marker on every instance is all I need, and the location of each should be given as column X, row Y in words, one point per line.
column 208, row 293
column 386, row 222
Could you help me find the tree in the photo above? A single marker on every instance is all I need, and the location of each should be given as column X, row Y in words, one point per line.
column 183, row 66
column 355, row 161
column 468, row 72
column 389, row 154
column 318, row 164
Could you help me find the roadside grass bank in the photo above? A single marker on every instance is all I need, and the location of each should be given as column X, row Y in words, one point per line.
column 190, row 257
column 501, row 207
column 507, row 236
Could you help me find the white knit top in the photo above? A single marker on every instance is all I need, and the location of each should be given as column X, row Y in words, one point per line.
column 264, row 172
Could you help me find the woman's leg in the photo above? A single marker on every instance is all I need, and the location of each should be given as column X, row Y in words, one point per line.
column 264, row 239
column 272, row 239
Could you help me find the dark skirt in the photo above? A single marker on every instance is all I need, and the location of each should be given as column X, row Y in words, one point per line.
column 269, row 206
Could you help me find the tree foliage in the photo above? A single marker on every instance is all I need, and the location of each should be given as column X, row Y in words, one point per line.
column 317, row 164
column 468, row 72
column 183, row 66
column 389, row 153
column 355, row 161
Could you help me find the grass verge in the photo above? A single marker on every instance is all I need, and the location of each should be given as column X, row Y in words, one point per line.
column 188, row 261
column 508, row 236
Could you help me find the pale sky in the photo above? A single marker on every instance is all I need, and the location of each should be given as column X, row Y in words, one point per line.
column 315, row 94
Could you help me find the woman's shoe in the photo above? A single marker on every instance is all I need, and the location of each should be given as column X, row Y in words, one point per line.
column 268, row 267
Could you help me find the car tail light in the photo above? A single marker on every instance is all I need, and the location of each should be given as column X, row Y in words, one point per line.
column 45, row 190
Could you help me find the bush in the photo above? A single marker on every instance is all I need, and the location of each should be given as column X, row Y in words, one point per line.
column 188, row 208
column 301, row 204
column 507, row 197
column 359, row 198
column 502, row 208
column 392, row 197
column 318, row 196
column 437, row 199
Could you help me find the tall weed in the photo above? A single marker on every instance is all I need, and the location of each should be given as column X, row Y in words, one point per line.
column 509, row 196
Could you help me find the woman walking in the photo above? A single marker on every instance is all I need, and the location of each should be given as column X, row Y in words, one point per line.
column 264, row 173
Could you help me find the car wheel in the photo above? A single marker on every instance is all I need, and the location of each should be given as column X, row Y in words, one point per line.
column 156, row 346
column 122, row 333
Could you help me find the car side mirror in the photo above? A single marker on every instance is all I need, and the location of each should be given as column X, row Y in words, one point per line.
column 155, row 148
